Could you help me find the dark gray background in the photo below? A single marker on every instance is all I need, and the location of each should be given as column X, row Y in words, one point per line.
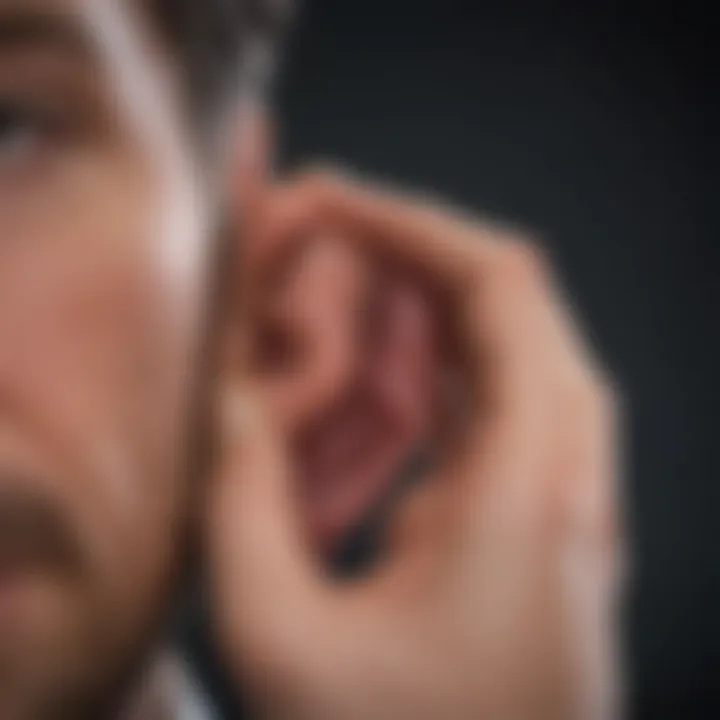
column 594, row 123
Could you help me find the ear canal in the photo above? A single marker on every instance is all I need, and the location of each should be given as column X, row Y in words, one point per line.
column 354, row 385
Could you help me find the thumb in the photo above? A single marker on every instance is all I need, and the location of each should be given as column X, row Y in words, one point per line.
column 262, row 575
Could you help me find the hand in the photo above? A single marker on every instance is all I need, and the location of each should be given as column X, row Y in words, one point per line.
column 496, row 596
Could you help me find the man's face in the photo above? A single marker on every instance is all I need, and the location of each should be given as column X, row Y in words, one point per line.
column 102, row 267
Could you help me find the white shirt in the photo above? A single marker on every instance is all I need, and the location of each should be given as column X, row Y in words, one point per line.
column 169, row 691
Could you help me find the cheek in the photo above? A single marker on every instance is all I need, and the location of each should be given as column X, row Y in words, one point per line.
column 99, row 331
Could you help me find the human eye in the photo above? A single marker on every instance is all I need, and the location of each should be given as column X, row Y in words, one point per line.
column 46, row 111
column 25, row 133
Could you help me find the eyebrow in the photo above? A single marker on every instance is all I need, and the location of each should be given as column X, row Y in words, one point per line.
column 45, row 29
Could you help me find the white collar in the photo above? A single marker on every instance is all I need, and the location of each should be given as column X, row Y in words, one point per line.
column 170, row 692
column 185, row 698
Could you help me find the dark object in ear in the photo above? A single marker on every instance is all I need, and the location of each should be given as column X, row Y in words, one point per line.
column 363, row 546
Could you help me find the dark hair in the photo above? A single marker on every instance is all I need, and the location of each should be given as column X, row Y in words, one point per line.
column 224, row 46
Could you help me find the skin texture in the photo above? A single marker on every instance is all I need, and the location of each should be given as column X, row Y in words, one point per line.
column 106, row 281
column 347, row 319
column 496, row 598
column 103, row 248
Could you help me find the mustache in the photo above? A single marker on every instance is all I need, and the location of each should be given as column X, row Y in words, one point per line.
column 34, row 533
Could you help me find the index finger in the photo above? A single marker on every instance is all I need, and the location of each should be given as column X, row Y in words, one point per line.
column 413, row 231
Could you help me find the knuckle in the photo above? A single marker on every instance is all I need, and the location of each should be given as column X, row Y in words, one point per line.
column 607, row 398
column 602, row 393
column 293, row 205
column 596, row 402
column 522, row 262
column 315, row 183
column 593, row 399
column 583, row 398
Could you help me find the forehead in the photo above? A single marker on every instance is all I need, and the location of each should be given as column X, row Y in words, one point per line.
column 77, row 25
column 113, row 50
column 115, row 41
column 111, row 36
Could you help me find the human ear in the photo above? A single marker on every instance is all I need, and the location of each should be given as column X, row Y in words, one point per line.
column 344, row 349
